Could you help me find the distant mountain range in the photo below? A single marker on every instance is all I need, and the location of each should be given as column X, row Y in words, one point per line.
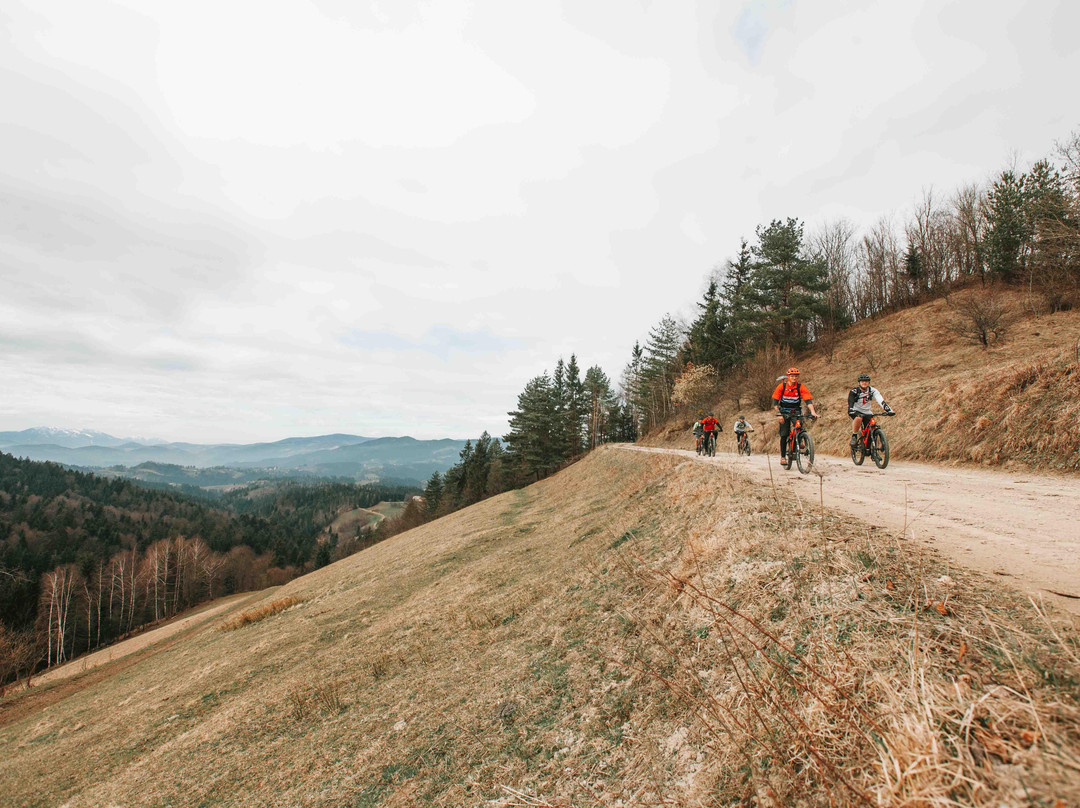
column 70, row 438
column 337, row 455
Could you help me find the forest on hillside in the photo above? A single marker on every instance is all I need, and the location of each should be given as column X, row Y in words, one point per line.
column 85, row 560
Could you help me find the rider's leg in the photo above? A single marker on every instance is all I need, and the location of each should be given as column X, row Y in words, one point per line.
column 783, row 422
column 856, row 426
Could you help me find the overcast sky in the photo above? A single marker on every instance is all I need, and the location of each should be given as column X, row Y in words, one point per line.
column 240, row 221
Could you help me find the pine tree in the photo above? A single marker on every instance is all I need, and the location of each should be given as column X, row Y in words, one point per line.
column 497, row 472
column 576, row 407
column 630, row 388
column 1053, row 230
column 913, row 265
column 788, row 287
column 660, row 366
column 601, row 403
column 706, row 343
column 744, row 326
column 477, row 469
column 560, row 436
column 433, row 493
column 1007, row 232
column 530, row 436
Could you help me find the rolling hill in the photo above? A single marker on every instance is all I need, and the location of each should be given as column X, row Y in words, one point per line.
column 639, row 629
column 338, row 455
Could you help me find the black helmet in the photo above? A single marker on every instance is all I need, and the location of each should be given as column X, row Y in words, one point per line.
column 864, row 377
column 742, row 417
column 710, row 414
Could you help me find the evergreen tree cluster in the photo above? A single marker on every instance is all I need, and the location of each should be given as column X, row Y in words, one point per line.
column 559, row 417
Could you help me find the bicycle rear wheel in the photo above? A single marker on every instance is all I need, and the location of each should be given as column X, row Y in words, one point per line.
column 879, row 449
column 805, row 455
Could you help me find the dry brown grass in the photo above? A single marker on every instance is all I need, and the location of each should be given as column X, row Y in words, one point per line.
column 638, row 629
column 958, row 402
column 246, row 618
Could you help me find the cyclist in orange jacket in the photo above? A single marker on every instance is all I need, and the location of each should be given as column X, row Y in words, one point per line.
column 709, row 427
column 788, row 399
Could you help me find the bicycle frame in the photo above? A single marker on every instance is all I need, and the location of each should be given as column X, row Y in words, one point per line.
column 867, row 431
column 793, row 433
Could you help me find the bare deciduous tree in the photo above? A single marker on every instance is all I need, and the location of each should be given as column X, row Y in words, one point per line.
column 982, row 318
column 902, row 340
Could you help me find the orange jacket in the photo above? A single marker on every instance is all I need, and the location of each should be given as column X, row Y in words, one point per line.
column 791, row 398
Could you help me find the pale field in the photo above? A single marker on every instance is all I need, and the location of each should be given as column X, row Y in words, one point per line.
column 348, row 522
column 639, row 628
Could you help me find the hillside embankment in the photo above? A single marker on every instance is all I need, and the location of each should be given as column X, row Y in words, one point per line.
column 1019, row 526
column 639, row 629
column 1014, row 404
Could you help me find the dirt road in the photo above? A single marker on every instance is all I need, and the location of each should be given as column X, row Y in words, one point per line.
column 1017, row 525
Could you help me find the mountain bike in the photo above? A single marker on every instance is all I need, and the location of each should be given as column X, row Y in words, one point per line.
column 800, row 444
column 872, row 441
column 710, row 443
column 744, row 444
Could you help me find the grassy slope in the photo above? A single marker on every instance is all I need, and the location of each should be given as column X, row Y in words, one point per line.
column 957, row 401
column 523, row 645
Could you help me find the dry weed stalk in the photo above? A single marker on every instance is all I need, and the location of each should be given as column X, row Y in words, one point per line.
column 259, row 613
column 821, row 713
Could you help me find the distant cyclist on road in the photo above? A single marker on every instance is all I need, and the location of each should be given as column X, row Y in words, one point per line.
column 859, row 399
column 742, row 426
column 788, row 399
column 710, row 426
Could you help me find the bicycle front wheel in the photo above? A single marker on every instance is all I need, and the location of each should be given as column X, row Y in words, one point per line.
column 857, row 455
column 805, row 455
column 879, row 449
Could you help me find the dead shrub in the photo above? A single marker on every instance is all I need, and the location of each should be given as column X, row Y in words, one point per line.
column 696, row 386
column 328, row 697
column 298, row 704
column 983, row 319
column 259, row 613
column 826, row 343
column 759, row 374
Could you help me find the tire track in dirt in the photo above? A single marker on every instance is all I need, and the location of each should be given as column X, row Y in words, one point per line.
column 1022, row 527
